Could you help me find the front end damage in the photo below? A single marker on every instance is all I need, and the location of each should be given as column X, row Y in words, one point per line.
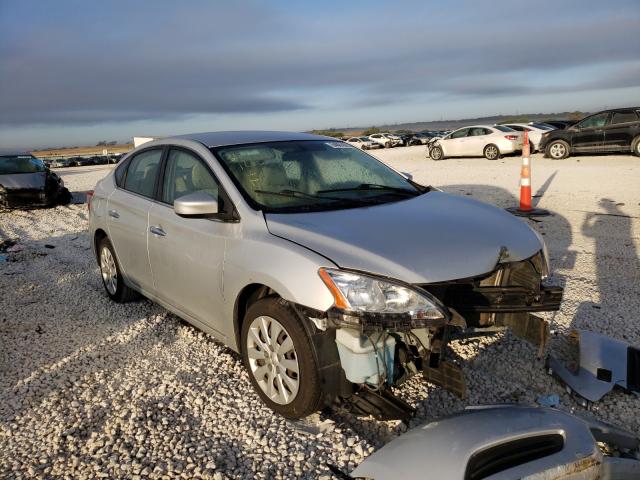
column 362, row 353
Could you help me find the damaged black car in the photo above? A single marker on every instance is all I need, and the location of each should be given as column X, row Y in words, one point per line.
column 26, row 182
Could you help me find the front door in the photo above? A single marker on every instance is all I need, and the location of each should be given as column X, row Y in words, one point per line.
column 128, row 215
column 588, row 134
column 454, row 144
column 187, row 253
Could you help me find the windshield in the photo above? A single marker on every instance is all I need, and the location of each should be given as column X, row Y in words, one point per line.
column 311, row 175
column 10, row 164
column 542, row 126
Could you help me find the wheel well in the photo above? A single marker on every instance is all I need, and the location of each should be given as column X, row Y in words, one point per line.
column 97, row 238
column 246, row 297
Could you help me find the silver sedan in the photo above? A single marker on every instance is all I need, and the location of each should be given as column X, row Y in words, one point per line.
column 333, row 275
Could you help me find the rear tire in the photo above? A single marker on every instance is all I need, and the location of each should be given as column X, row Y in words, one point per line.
column 111, row 274
column 557, row 150
column 436, row 153
column 491, row 152
column 278, row 355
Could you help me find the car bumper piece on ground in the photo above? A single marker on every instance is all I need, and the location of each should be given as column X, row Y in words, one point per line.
column 604, row 363
column 504, row 442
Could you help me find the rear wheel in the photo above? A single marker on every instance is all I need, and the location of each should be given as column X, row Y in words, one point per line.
column 278, row 354
column 112, row 278
column 436, row 152
column 491, row 152
column 557, row 149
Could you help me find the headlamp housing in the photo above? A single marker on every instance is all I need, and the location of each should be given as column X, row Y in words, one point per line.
column 359, row 296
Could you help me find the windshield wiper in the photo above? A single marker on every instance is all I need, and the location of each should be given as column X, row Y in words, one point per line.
column 372, row 186
column 299, row 194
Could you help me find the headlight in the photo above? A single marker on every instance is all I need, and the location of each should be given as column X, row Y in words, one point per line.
column 358, row 292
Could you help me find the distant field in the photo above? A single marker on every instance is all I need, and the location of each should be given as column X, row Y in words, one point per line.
column 77, row 151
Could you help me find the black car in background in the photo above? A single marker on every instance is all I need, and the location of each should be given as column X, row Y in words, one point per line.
column 26, row 182
column 560, row 124
column 616, row 130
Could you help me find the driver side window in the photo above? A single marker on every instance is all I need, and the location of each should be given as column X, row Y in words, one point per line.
column 595, row 121
column 185, row 174
column 460, row 133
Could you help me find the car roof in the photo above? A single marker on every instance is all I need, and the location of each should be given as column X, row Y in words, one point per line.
column 14, row 153
column 220, row 139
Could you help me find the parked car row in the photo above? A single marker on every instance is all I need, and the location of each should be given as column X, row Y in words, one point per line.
column 78, row 161
column 389, row 140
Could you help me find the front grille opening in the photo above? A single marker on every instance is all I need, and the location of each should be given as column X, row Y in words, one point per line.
column 511, row 454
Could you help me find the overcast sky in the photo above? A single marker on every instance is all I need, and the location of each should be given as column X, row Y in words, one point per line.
column 75, row 72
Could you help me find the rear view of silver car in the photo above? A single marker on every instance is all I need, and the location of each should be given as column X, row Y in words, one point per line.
column 333, row 275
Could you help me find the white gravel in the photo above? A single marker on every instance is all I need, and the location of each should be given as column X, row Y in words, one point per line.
column 89, row 388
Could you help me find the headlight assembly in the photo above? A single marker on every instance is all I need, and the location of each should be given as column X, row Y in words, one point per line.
column 361, row 295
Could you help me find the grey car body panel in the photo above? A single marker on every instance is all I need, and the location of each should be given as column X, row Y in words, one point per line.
column 597, row 352
column 440, row 237
column 23, row 180
column 443, row 448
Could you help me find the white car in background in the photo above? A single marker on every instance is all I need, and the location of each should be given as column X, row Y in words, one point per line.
column 387, row 140
column 535, row 132
column 365, row 143
column 477, row 141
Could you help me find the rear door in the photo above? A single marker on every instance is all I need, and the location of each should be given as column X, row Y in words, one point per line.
column 619, row 133
column 187, row 253
column 128, row 211
column 588, row 134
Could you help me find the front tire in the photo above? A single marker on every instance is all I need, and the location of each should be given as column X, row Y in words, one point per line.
column 112, row 278
column 436, row 153
column 491, row 152
column 557, row 149
column 635, row 146
column 278, row 355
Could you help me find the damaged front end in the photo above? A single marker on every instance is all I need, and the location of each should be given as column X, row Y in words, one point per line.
column 385, row 331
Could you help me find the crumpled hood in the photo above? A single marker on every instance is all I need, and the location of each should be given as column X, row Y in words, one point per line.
column 23, row 180
column 431, row 238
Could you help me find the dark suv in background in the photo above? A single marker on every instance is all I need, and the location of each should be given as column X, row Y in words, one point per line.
column 616, row 130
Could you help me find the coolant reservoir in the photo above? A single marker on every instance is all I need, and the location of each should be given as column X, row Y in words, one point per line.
column 361, row 362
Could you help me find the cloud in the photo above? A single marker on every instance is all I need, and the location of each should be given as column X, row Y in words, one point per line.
column 79, row 63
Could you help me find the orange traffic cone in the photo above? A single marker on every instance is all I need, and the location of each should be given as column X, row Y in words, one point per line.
column 525, row 209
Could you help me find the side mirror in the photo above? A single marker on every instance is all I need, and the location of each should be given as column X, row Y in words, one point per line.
column 407, row 175
column 195, row 204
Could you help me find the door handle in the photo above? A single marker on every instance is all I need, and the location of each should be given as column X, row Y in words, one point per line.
column 157, row 230
column 114, row 214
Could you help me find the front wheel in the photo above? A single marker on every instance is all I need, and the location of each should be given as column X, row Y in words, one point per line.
column 558, row 149
column 491, row 152
column 636, row 146
column 278, row 354
column 436, row 153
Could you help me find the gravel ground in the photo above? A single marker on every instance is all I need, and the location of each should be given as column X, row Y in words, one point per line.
column 89, row 388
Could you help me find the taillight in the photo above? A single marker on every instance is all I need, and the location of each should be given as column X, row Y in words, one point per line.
column 89, row 198
column 511, row 137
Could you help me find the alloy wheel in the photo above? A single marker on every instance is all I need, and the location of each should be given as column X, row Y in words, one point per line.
column 109, row 271
column 491, row 152
column 557, row 150
column 273, row 360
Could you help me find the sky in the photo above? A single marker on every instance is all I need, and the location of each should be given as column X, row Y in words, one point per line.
column 77, row 72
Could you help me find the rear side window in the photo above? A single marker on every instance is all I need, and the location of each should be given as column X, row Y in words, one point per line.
column 502, row 128
column 624, row 117
column 142, row 173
